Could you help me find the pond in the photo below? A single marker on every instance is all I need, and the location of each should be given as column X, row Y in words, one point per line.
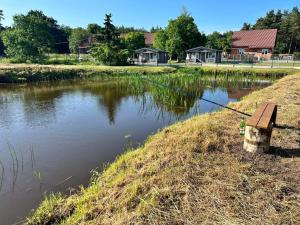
column 53, row 134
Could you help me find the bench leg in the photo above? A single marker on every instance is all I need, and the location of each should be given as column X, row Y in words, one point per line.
column 257, row 140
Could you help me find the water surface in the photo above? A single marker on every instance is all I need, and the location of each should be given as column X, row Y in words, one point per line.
column 52, row 135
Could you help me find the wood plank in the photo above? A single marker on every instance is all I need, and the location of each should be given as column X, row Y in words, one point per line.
column 266, row 116
column 254, row 119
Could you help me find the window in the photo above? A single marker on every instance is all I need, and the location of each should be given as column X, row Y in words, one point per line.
column 265, row 51
column 241, row 51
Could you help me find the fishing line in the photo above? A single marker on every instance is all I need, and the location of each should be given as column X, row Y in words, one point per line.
column 189, row 94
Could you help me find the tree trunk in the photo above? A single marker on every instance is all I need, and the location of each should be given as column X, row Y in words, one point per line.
column 291, row 42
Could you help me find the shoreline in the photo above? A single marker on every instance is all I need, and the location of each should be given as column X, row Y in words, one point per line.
column 196, row 171
column 26, row 73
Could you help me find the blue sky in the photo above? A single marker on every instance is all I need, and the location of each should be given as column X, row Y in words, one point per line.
column 210, row 15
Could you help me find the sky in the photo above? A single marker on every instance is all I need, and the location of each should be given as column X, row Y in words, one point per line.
column 209, row 15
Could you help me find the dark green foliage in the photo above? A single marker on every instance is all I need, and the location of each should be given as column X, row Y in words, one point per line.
column 78, row 35
column 29, row 38
column 133, row 41
column 181, row 34
column 219, row 41
column 108, row 49
column 94, row 28
column 1, row 18
column 32, row 36
column 246, row 26
column 110, row 32
column 109, row 54
column 296, row 55
column 1, row 46
column 1, row 29
column 125, row 30
column 155, row 29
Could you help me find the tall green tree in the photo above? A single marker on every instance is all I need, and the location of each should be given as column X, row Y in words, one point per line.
column 220, row 41
column 30, row 37
column 133, row 41
column 109, row 31
column 181, row 34
column 294, row 30
column 160, row 40
column 288, row 25
column 1, row 18
column 77, row 37
column 109, row 50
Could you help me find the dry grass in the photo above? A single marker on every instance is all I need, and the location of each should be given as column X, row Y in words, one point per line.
column 196, row 172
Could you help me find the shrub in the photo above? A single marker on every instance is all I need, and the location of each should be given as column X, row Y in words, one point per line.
column 296, row 55
column 109, row 54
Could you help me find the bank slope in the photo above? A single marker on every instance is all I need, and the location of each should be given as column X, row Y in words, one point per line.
column 195, row 172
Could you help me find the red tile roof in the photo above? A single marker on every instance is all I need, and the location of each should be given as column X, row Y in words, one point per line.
column 149, row 38
column 254, row 39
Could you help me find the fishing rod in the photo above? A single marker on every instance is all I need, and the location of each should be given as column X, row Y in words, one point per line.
column 188, row 94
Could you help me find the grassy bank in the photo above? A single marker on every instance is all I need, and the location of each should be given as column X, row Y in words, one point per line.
column 196, row 172
column 20, row 73
column 17, row 73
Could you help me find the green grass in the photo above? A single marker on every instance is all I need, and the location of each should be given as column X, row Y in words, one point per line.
column 18, row 73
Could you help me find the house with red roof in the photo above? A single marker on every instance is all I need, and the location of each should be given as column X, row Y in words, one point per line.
column 258, row 43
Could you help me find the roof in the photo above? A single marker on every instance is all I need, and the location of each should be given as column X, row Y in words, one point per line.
column 254, row 38
column 149, row 38
column 202, row 49
column 148, row 50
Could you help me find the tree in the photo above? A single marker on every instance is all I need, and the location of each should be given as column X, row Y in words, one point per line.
column 109, row 50
column 155, row 29
column 1, row 18
column 294, row 29
column 109, row 32
column 1, row 29
column 160, row 40
column 133, row 41
column 78, row 35
column 181, row 34
column 220, row 41
column 246, row 26
column 288, row 25
column 109, row 54
column 125, row 30
column 30, row 37
column 94, row 28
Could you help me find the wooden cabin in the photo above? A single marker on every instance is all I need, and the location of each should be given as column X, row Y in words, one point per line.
column 203, row 55
column 257, row 43
column 151, row 56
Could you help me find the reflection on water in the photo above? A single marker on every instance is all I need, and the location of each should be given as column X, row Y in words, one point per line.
column 52, row 135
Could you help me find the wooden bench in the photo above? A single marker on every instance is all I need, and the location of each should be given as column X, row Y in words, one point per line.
column 263, row 116
column 259, row 128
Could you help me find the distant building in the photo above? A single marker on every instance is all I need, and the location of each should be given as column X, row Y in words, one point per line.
column 151, row 56
column 203, row 55
column 258, row 43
